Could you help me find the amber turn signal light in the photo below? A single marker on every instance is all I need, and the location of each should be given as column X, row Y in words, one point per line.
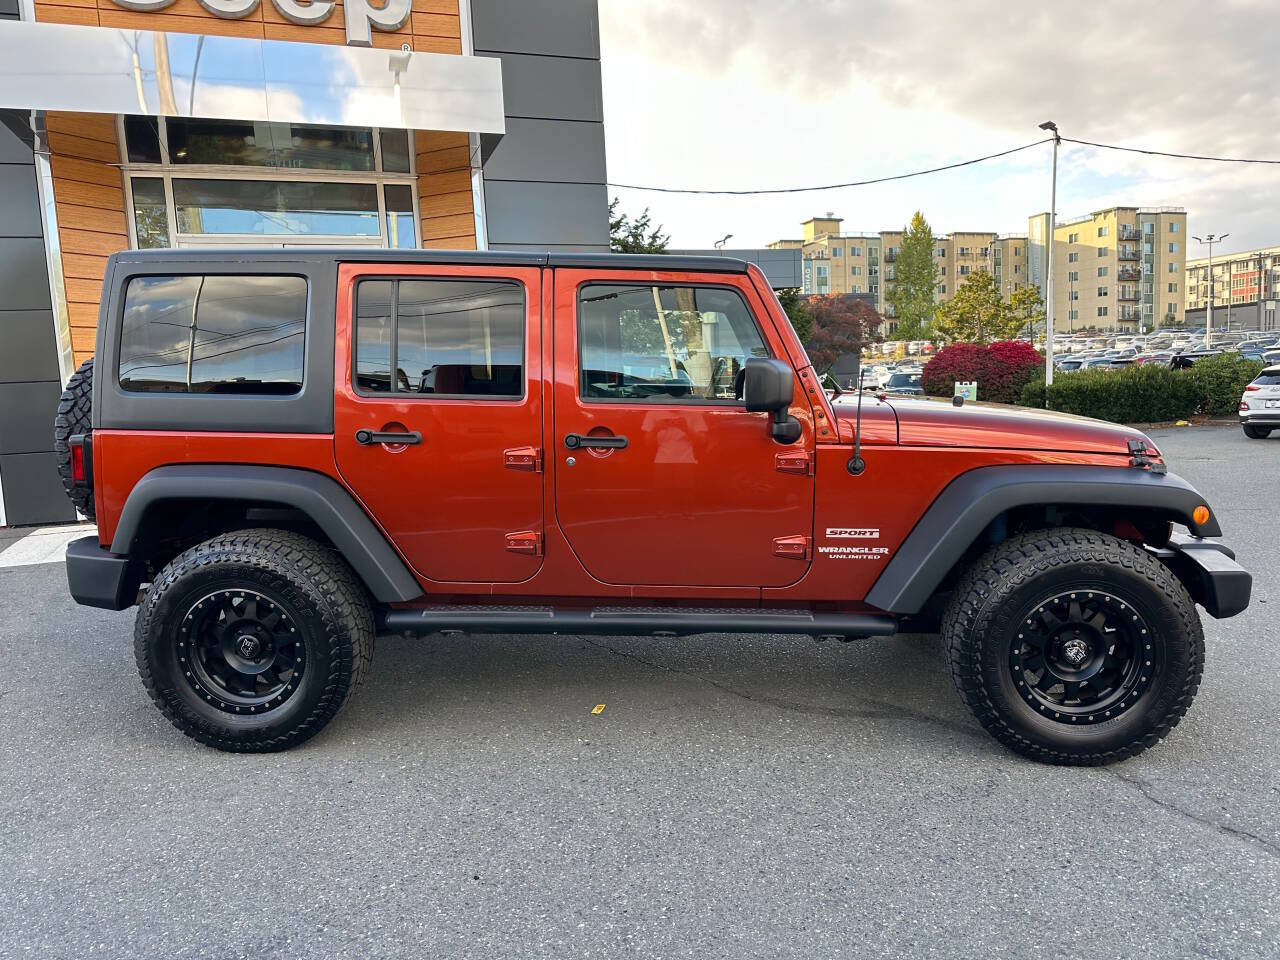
column 1200, row 515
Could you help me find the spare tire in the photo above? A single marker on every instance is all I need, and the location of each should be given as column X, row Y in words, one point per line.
column 75, row 416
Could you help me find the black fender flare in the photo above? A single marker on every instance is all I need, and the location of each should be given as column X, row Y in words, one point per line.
column 321, row 498
column 967, row 505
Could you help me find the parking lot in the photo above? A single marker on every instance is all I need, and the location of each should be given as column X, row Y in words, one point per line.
column 737, row 797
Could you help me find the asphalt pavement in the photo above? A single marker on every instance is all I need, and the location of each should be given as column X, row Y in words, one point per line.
column 737, row 797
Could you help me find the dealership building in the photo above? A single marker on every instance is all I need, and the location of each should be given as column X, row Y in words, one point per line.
column 124, row 124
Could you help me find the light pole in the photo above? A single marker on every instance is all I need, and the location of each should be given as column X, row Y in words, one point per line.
column 1048, row 279
column 1210, row 239
column 723, row 240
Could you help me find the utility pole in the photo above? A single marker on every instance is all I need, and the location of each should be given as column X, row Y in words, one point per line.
column 1210, row 239
column 1048, row 279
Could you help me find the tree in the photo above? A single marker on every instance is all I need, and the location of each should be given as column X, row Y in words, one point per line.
column 915, row 279
column 1028, row 306
column 841, row 324
column 977, row 313
column 634, row 236
column 797, row 310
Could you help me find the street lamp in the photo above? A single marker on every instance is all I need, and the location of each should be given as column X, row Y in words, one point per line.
column 723, row 240
column 1210, row 239
column 1048, row 280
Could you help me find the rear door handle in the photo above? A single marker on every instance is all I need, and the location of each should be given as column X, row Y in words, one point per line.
column 369, row 437
column 575, row 440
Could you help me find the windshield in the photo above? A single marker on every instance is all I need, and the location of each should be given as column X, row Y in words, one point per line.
column 904, row 380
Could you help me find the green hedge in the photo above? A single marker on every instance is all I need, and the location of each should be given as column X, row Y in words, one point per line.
column 1149, row 393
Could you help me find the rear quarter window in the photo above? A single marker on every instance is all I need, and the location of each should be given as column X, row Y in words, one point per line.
column 213, row 333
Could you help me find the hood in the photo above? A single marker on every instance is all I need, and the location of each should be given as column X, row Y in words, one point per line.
column 938, row 423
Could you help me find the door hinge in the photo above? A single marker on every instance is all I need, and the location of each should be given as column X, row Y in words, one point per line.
column 523, row 458
column 525, row 541
column 793, row 548
column 794, row 461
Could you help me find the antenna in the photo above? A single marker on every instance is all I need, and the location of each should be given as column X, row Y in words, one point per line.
column 857, row 465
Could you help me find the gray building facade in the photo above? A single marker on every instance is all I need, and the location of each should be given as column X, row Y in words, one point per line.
column 30, row 379
column 781, row 266
column 544, row 182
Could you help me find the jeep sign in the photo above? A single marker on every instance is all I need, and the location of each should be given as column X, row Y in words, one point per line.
column 361, row 16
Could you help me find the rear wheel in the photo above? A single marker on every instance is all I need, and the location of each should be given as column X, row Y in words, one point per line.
column 1074, row 647
column 1256, row 433
column 254, row 640
column 74, row 416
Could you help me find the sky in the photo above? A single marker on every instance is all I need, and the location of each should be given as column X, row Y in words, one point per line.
column 749, row 94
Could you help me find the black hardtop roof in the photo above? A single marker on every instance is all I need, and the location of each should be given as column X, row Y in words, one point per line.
column 495, row 258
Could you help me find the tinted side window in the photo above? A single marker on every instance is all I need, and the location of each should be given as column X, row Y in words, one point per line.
column 664, row 344
column 213, row 334
column 442, row 337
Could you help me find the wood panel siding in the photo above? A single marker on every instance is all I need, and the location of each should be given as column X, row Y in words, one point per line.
column 444, row 190
column 85, row 153
column 88, row 193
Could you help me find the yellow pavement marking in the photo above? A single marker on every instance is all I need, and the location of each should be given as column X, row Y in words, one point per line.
column 598, row 708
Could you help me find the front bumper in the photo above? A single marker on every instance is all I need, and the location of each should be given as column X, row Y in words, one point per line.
column 1210, row 573
column 98, row 577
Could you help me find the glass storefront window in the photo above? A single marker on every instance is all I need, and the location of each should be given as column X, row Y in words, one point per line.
column 395, row 151
column 398, row 201
column 262, row 144
column 266, row 208
column 142, row 135
column 150, row 212
column 233, row 181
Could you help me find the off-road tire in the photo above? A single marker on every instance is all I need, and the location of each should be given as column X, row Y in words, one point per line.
column 311, row 581
column 985, row 614
column 74, row 416
column 1256, row 433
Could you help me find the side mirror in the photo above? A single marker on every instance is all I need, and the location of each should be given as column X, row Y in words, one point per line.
column 769, row 387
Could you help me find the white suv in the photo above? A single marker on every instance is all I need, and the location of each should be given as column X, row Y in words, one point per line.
column 1260, row 405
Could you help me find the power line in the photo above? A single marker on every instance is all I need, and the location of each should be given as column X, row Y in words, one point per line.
column 949, row 166
column 835, row 186
column 1164, row 153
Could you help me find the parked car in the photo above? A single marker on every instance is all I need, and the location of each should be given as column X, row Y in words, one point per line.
column 1260, row 405
column 1068, row 365
column 904, row 383
column 421, row 445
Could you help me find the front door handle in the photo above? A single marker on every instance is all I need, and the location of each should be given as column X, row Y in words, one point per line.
column 575, row 440
column 369, row 437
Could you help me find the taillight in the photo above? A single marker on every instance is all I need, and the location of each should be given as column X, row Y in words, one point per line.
column 1243, row 405
column 78, row 474
column 1252, row 386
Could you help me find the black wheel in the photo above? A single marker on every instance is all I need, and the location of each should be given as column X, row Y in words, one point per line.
column 254, row 640
column 1072, row 646
column 1256, row 433
column 74, row 416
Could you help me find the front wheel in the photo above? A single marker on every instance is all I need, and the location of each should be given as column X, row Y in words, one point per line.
column 254, row 640
column 1074, row 647
column 1256, row 433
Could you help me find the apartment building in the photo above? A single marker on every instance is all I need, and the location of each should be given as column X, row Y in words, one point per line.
column 836, row 261
column 1121, row 268
column 1246, row 286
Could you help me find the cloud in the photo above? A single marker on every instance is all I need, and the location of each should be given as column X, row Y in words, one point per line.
column 750, row 93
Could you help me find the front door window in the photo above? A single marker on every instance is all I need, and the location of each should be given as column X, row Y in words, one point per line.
column 665, row 343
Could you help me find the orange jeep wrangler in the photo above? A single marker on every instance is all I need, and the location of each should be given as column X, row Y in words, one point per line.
column 290, row 451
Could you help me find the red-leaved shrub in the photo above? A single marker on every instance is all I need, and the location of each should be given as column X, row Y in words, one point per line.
column 1001, row 369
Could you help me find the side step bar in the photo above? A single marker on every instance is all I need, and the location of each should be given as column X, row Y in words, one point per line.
column 627, row 621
